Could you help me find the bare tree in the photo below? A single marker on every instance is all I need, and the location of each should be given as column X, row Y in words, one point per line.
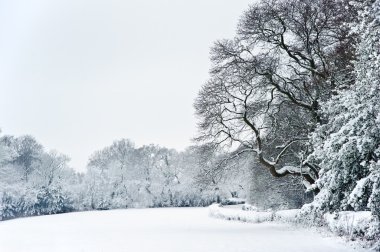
column 266, row 84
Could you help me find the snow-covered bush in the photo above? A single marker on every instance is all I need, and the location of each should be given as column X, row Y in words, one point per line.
column 18, row 201
column 217, row 211
column 253, row 215
column 9, row 207
column 350, row 223
column 52, row 200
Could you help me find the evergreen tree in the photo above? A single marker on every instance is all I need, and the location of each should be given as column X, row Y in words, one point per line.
column 347, row 147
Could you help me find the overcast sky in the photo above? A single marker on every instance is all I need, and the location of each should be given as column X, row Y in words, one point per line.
column 79, row 74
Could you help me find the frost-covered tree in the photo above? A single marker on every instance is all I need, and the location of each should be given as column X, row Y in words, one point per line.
column 27, row 152
column 96, row 189
column 110, row 176
column 8, row 173
column 50, row 169
column 132, row 176
column 347, row 147
column 5, row 152
column 161, row 173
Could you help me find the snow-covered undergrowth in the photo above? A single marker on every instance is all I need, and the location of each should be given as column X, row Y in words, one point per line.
column 237, row 214
column 349, row 223
column 360, row 225
column 346, row 223
column 252, row 216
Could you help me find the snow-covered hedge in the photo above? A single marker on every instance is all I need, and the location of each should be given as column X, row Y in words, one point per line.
column 34, row 201
column 361, row 224
column 355, row 225
column 290, row 215
column 343, row 223
column 252, row 216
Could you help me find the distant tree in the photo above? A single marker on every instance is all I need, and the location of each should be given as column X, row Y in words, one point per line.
column 27, row 151
column 5, row 151
column 160, row 172
column 97, row 189
column 122, row 175
column 51, row 168
column 113, row 168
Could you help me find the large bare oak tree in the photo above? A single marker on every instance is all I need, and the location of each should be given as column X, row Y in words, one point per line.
column 267, row 82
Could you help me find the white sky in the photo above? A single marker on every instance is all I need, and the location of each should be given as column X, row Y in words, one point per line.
column 79, row 74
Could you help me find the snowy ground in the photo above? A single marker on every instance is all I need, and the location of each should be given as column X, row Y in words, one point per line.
column 158, row 230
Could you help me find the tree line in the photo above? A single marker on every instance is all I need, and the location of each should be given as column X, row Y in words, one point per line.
column 34, row 181
column 37, row 182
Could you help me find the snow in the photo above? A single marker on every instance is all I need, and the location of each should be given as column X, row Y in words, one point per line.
column 159, row 230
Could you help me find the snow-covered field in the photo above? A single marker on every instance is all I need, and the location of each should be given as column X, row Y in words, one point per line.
column 158, row 230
